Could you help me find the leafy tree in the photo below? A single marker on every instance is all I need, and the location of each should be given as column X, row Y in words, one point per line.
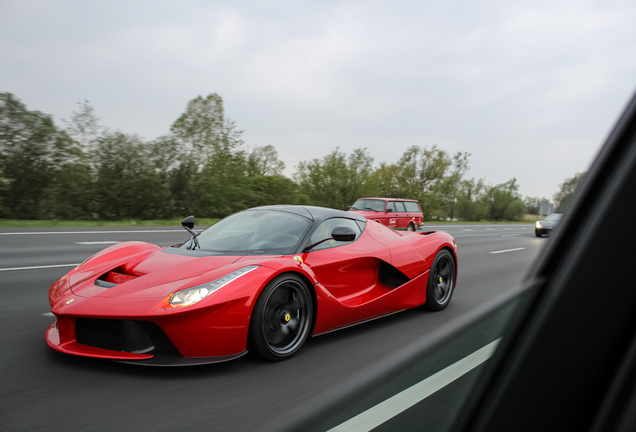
column 563, row 198
column 220, row 186
column 470, row 203
column 263, row 161
column 212, row 166
column 504, row 201
column 336, row 180
column 448, row 188
column 84, row 127
column 127, row 184
column 532, row 204
column 270, row 190
column 30, row 145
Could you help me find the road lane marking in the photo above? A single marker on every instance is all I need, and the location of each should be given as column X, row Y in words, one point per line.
column 510, row 235
column 38, row 267
column 466, row 229
column 48, row 314
column 90, row 232
column 375, row 416
column 97, row 242
column 490, row 229
column 506, row 250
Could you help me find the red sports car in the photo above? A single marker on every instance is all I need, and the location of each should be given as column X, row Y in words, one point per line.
column 262, row 280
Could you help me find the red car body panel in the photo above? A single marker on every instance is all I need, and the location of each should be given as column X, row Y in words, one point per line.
column 345, row 281
column 395, row 220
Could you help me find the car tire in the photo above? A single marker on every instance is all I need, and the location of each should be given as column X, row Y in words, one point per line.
column 282, row 318
column 538, row 233
column 441, row 281
column 411, row 227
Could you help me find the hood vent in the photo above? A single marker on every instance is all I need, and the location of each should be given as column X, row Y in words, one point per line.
column 113, row 278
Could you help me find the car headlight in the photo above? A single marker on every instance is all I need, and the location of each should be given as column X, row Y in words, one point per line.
column 190, row 296
column 538, row 224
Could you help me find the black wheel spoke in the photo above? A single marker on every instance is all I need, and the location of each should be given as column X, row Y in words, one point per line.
column 286, row 317
column 443, row 268
column 279, row 296
column 273, row 336
column 295, row 304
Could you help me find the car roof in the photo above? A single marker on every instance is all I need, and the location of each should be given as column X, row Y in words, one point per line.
column 317, row 214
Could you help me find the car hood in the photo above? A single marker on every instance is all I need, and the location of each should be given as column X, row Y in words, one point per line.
column 143, row 270
column 548, row 224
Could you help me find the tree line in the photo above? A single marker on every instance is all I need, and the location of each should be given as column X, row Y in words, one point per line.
column 84, row 171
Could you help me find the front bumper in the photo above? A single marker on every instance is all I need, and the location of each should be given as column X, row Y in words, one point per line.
column 159, row 353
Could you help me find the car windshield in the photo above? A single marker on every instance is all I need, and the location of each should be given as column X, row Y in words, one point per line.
column 553, row 217
column 255, row 232
column 368, row 204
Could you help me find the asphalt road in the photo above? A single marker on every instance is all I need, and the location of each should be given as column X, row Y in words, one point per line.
column 46, row 390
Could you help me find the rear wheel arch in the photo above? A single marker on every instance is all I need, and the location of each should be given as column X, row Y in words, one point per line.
column 454, row 257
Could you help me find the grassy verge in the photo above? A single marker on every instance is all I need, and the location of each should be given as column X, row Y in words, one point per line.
column 17, row 223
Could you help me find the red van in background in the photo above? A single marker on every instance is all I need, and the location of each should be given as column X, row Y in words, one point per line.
column 396, row 213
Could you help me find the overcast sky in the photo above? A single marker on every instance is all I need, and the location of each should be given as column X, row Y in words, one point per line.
column 530, row 89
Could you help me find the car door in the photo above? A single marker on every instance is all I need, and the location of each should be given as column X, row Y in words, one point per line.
column 345, row 269
column 348, row 272
column 402, row 219
column 390, row 219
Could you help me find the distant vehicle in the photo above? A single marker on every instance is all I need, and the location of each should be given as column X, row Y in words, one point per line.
column 262, row 280
column 400, row 214
column 547, row 225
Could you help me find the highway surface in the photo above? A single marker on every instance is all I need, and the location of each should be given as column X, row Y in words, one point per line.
column 46, row 390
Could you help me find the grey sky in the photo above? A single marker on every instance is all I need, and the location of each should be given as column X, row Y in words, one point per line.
column 531, row 89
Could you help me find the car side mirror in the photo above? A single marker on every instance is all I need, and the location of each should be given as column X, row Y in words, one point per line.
column 343, row 234
column 188, row 222
column 389, row 211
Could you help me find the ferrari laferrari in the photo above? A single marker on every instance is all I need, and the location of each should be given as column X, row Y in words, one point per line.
column 262, row 280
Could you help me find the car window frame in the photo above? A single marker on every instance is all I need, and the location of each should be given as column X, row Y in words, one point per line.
column 311, row 233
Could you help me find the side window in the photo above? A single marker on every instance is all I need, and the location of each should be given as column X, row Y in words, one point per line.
column 412, row 207
column 324, row 232
column 399, row 207
column 390, row 206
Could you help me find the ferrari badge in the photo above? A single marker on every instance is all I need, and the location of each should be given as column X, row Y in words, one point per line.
column 298, row 258
column 70, row 301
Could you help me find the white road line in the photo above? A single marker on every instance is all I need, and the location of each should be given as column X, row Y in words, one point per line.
column 48, row 314
column 466, row 229
column 490, row 229
column 510, row 235
column 375, row 416
column 38, row 267
column 97, row 242
column 506, row 250
column 91, row 232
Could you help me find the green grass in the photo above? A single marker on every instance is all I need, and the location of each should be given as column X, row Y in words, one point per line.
column 17, row 223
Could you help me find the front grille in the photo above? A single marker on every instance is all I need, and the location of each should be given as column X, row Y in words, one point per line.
column 122, row 335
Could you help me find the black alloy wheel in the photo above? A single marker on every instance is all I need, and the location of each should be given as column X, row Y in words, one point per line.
column 538, row 233
column 282, row 318
column 441, row 281
column 411, row 227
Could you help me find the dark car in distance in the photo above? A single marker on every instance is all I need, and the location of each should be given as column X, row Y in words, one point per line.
column 546, row 226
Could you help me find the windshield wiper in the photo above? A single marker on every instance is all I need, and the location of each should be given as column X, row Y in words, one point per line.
column 369, row 208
